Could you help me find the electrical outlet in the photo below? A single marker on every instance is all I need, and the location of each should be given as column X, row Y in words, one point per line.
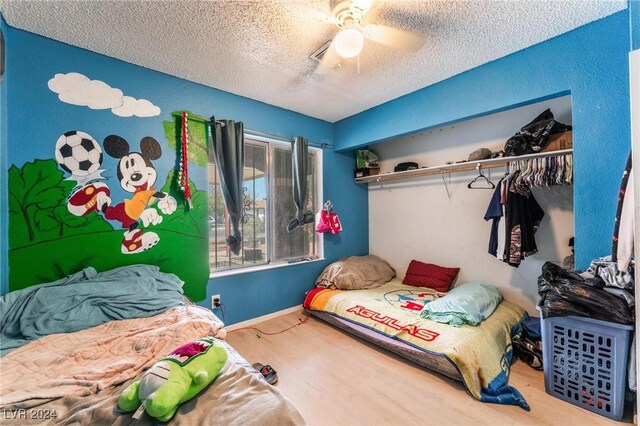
column 215, row 301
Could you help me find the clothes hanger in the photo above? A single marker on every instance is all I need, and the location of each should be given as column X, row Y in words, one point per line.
column 560, row 172
column 525, row 171
column 481, row 176
column 533, row 176
column 549, row 171
column 540, row 168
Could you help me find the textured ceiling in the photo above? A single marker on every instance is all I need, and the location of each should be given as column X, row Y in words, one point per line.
column 260, row 48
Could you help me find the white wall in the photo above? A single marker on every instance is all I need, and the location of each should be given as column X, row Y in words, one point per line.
column 417, row 219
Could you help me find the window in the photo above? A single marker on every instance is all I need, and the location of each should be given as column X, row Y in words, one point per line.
column 268, row 208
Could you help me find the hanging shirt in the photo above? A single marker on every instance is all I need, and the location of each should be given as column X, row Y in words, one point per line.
column 523, row 215
column 494, row 212
column 502, row 227
column 623, row 230
column 502, row 232
column 626, row 229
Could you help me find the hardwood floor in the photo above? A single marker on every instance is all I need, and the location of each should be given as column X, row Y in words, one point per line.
column 336, row 379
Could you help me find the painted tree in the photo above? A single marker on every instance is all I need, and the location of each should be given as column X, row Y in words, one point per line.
column 190, row 221
column 197, row 138
column 33, row 187
column 37, row 205
column 59, row 219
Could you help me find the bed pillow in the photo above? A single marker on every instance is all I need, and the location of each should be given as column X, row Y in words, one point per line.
column 470, row 303
column 356, row 273
column 428, row 275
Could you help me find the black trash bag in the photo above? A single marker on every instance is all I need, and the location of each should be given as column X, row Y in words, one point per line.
column 518, row 145
column 532, row 137
column 566, row 293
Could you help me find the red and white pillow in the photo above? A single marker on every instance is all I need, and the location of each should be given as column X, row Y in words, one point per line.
column 428, row 275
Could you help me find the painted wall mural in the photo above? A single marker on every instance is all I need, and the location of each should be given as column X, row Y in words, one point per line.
column 198, row 153
column 106, row 204
column 77, row 89
column 78, row 153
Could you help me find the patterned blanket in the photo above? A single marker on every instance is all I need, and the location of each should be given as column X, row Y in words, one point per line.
column 482, row 354
column 76, row 378
column 84, row 362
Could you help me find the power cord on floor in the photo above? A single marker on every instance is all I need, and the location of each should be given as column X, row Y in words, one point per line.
column 273, row 333
column 222, row 309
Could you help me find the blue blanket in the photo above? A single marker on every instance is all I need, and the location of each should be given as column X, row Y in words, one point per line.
column 85, row 299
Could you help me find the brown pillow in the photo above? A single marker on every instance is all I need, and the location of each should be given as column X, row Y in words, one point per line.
column 422, row 274
column 356, row 273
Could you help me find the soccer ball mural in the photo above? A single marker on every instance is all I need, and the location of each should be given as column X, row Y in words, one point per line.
column 78, row 153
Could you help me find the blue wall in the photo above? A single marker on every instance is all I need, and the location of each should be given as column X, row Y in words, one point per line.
column 590, row 62
column 634, row 23
column 36, row 119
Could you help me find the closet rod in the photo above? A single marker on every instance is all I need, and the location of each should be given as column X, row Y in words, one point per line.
column 466, row 166
column 205, row 120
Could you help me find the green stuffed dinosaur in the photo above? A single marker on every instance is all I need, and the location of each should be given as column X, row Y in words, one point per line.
column 175, row 379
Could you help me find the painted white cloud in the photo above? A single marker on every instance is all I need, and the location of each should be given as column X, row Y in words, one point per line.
column 138, row 107
column 77, row 89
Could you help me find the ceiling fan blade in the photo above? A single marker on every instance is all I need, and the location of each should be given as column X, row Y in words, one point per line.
column 394, row 37
column 329, row 61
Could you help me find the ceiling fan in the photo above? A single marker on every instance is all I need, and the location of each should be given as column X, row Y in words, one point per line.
column 349, row 17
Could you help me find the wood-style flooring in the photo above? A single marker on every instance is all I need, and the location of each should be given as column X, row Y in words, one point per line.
column 336, row 379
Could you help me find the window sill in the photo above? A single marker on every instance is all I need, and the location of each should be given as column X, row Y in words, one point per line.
column 248, row 270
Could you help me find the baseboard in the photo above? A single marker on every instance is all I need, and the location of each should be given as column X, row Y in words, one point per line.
column 257, row 320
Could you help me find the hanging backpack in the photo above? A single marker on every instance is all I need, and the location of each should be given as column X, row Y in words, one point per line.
column 327, row 220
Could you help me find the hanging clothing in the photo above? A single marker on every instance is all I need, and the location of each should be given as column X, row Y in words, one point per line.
column 523, row 215
column 515, row 212
column 494, row 212
column 502, row 227
column 623, row 230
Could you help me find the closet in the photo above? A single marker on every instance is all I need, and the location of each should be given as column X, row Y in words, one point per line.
column 430, row 214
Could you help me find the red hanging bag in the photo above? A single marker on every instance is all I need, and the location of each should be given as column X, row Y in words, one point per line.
column 327, row 220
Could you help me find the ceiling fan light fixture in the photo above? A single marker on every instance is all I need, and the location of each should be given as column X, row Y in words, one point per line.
column 349, row 42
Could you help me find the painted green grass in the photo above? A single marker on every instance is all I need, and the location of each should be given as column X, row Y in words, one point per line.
column 101, row 250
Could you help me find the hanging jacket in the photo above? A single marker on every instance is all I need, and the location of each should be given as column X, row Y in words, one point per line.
column 523, row 215
column 494, row 211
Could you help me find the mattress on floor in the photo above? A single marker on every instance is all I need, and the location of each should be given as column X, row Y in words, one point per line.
column 76, row 378
column 432, row 361
column 479, row 355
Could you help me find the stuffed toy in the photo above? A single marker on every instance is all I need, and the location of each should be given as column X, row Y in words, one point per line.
column 174, row 379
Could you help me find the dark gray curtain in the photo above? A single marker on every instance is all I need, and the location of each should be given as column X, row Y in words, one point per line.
column 228, row 152
column 300, row 163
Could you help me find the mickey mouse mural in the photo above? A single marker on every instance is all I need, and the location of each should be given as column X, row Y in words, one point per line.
column 80, row 155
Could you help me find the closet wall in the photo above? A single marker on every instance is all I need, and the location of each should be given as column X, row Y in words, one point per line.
column 420, row 219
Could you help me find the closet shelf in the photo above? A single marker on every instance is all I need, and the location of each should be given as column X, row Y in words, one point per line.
column 458, row 167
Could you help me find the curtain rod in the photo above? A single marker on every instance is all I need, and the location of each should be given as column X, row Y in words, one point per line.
column 202, row 119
